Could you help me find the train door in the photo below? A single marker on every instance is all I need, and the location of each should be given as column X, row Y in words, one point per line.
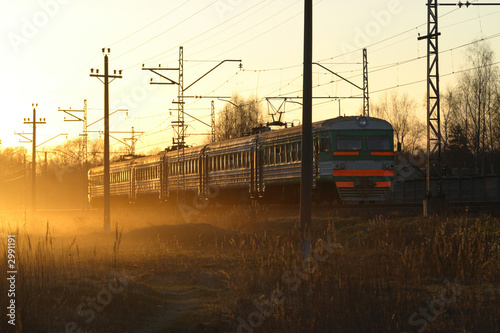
column 164, row 178
column 132, row 188
column 316, row 158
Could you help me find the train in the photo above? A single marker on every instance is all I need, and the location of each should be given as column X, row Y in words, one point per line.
column 353, row 160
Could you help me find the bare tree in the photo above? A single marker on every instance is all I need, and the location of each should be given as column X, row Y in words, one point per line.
column 416, row 135
column 399, row 110
column 475, row 107
column 238, row 117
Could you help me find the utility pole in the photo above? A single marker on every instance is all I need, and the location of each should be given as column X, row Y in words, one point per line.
column 366, row 98
column 106, row 77
column 84, row 134
column 433, row 99
column 33, row 122
column 179, row 124
column 133, row 139
column 306, row 177
column 433, row 95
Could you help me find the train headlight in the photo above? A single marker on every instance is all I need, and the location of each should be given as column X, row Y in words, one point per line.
column 389, row 166
column 339, row 166
column 362, row 121
column 342, row 166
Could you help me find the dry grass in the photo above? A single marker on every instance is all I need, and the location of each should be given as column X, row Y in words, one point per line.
column 202, row 277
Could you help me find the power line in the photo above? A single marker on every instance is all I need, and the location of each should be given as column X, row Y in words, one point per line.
column 167, row 30
column 150, row 24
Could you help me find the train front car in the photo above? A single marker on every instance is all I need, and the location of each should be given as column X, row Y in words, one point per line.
column 357, row 155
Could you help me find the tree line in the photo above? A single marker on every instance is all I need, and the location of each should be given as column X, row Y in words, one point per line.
column 470, row 117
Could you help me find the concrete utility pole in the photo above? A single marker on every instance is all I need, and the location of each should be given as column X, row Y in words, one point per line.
column 106, row 76
column 306, row 177
column 33, row 122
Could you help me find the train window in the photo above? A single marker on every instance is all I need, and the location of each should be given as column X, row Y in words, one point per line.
column 378, row 142
column 283, row 154
column 349, row 142
column 294, row 152
column 324, row 145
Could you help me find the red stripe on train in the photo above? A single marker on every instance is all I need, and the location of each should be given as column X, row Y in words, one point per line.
column 363, row 173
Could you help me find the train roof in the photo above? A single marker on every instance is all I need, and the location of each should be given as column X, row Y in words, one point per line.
column 354, row 122
column 243, row 141
column 146, row 160
column 195, row 150
column 338, row 123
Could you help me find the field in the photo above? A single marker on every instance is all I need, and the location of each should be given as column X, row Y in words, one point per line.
column 241, row 269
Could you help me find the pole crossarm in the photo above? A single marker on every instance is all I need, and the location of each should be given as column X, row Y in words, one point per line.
column 339, row 76
column 220, row 63
column 69, row 112
column 95, row 122
column 58, row 135
column 460, row 4
column 156, row 71
column 28, row 140
column 210, row 97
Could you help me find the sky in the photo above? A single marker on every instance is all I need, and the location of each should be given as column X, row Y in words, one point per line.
column 49, row 46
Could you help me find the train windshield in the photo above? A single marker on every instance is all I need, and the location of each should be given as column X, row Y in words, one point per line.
column 378, row 142
column 349, row 142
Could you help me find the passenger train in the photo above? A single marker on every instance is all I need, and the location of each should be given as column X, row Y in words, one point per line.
column 353, row 161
